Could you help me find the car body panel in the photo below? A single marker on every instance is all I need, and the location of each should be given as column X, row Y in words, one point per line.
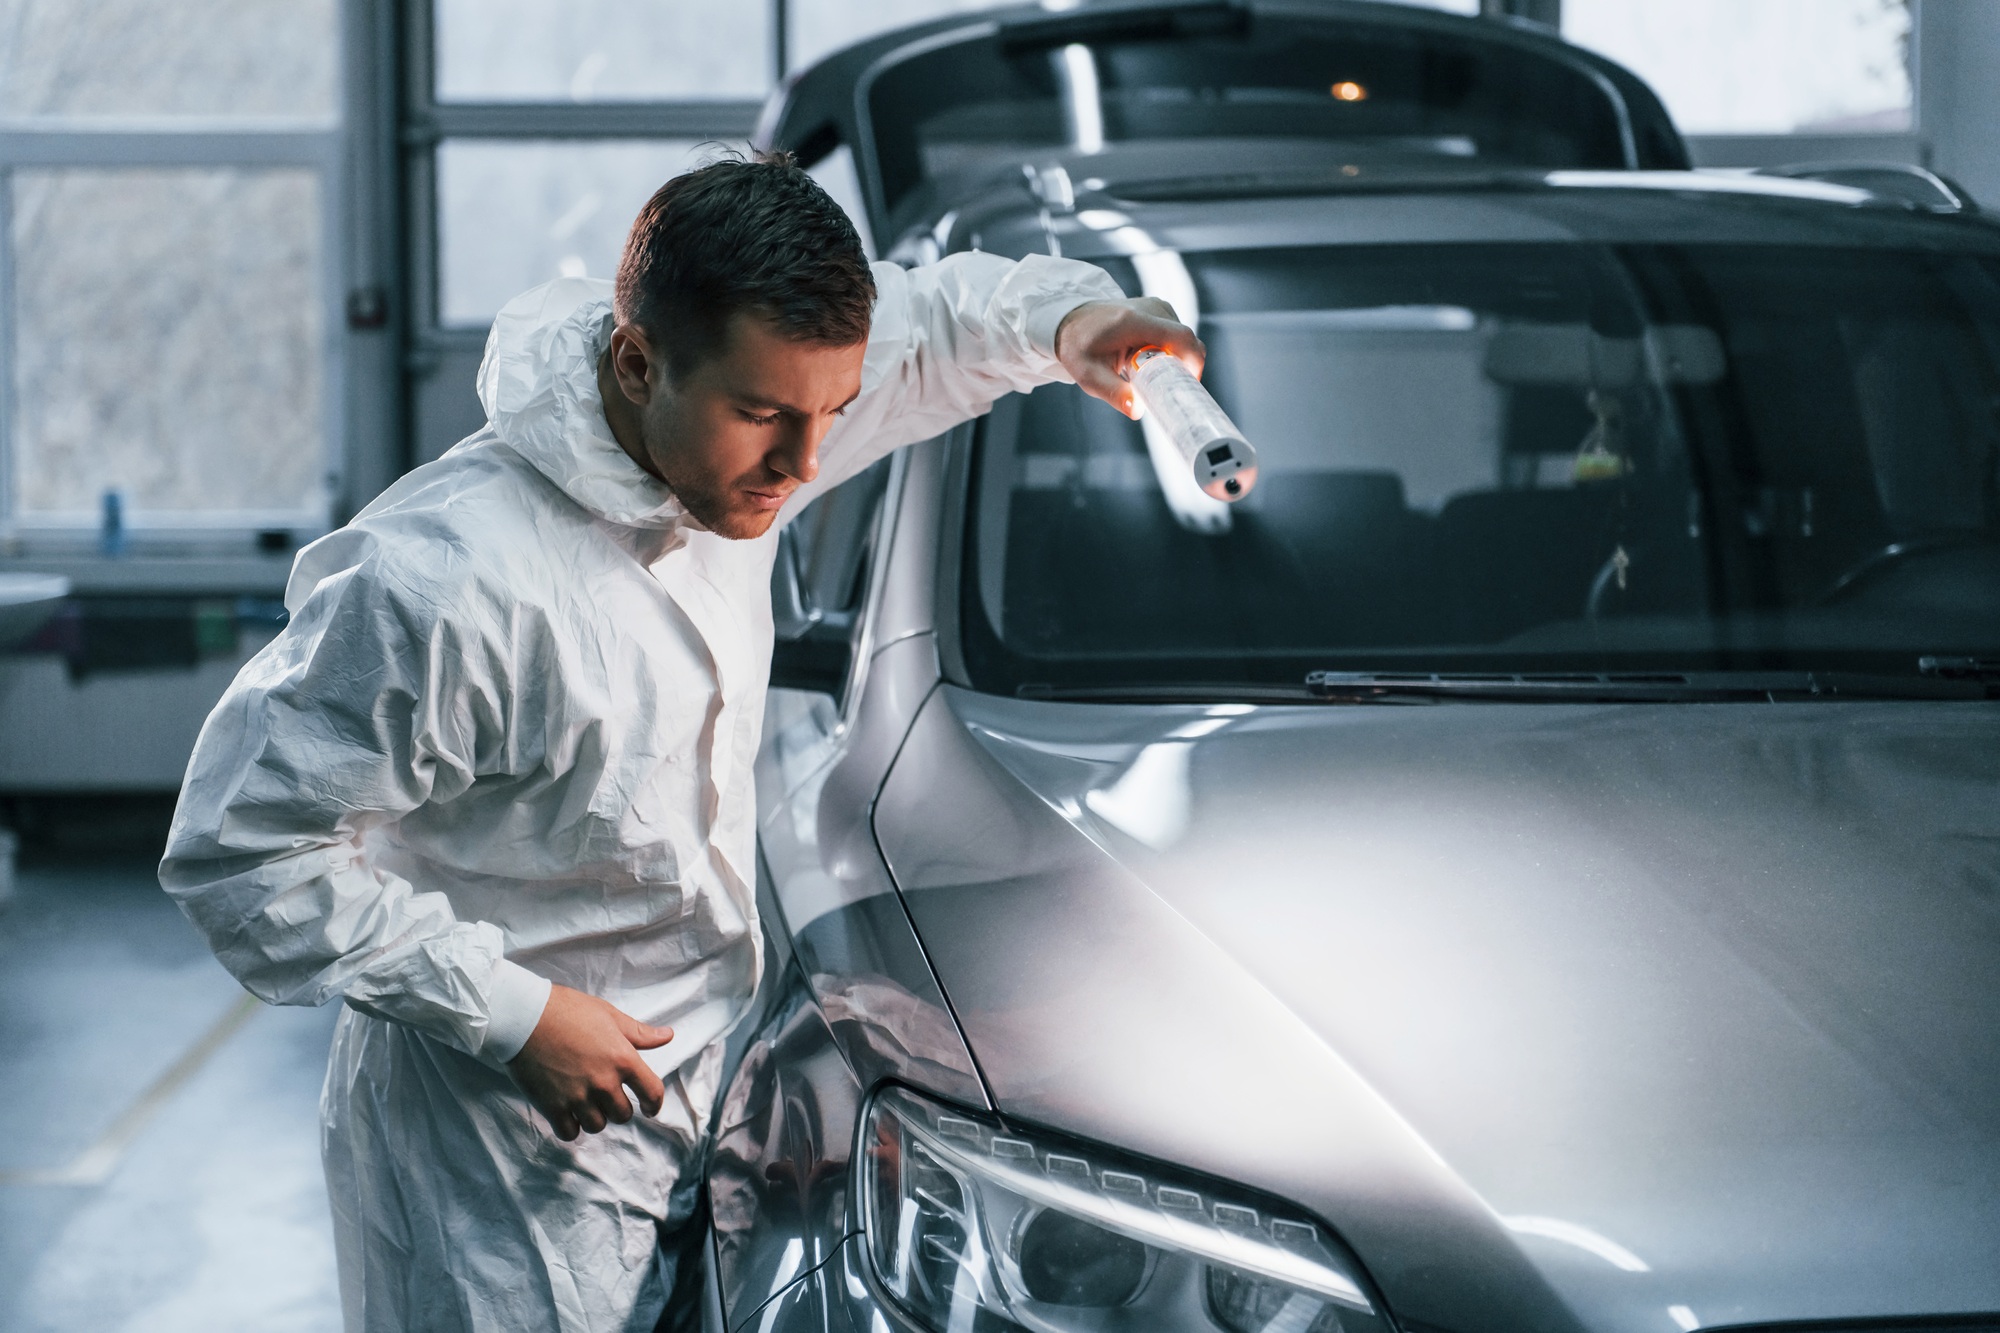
column 817, row 773
column 1690, row 1004
column 778, row 1175
column 833, row 1298
column 851, row 999
column 854, row 944
column 796, row 1309
column 1098, row 1011
column 1622, row 1018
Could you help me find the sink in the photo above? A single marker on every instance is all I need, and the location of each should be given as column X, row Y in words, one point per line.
column 26, row 603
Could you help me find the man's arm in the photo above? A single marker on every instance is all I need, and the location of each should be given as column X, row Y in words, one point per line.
column 950, row 339
column 374, row 702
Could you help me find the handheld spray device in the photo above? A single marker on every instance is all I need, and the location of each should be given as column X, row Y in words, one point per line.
column 1223, row 463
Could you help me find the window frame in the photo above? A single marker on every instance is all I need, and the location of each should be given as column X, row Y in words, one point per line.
column 178, row 143
column 422, row 124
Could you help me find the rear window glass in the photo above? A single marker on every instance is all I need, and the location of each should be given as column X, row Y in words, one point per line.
column 1410, row 91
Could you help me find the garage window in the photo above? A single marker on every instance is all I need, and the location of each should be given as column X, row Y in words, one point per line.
column 516, row 212
column 601, row 50
column 1761, row 66
column 167, row 187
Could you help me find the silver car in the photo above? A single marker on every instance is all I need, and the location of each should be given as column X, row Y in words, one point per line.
column 1532, row 865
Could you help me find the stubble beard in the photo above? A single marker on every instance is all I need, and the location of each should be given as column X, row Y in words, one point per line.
column 709, row 505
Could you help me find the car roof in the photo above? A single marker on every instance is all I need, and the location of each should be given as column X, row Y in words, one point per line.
column 825, row 105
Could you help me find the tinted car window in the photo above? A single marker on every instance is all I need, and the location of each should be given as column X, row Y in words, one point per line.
column 1426, row 93
column 1529, row 458
column 819, row 581
column 829, row 540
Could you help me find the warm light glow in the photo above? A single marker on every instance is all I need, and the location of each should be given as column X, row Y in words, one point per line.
column 1349, row 91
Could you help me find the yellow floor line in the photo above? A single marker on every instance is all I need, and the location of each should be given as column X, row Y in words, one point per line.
column 94, row 1165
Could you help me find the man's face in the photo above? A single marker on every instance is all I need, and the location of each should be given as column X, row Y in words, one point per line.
column 736, row 437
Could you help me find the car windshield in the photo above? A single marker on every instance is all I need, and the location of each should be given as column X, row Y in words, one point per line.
column 1520, row 458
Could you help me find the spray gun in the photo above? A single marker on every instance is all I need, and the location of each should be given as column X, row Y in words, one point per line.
column 1224, row 464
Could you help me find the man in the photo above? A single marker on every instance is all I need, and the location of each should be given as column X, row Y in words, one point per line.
column 492, row 784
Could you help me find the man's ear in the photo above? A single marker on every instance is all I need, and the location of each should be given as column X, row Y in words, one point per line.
column 632, row 363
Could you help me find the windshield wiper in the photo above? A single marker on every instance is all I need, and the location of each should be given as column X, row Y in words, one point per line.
column 1194, row 692
column 1638, row 687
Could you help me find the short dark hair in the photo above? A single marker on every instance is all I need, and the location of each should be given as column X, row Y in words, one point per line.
column 755, row 234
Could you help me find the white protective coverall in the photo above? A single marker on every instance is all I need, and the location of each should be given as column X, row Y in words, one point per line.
column 507, row 740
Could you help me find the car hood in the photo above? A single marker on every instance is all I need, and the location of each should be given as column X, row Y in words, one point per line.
column 1640, row 1017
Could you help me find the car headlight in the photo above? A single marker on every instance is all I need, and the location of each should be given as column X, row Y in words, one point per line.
column 972, row 1227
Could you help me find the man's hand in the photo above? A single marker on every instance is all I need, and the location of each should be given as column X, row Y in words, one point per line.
column 580, row 1059
column 1096, row 341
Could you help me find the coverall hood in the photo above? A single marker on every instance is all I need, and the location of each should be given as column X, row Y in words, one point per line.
column 538, row 384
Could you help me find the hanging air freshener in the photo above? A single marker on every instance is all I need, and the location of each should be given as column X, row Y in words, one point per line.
column 1602, row 457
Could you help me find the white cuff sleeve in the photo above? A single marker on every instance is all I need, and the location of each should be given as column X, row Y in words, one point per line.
column 515, row 1001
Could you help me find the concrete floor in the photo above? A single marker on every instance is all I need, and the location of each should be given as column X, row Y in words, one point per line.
column 159, row 1156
